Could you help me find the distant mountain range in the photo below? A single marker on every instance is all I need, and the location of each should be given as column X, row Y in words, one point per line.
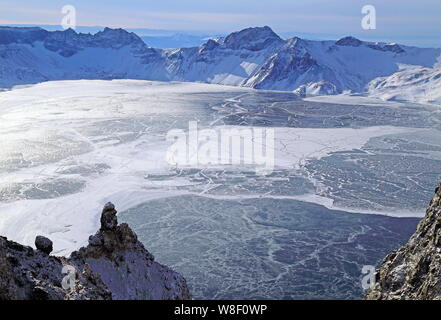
column 176, row 40
column 156, row 38
column 254, row 57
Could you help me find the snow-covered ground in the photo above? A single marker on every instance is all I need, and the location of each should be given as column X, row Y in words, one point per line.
column 412, row 83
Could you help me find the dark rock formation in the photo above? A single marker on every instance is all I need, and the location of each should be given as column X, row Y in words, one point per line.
column 43, row 244
column 414, row 270
column 108, row 217
column 115, row 265
column 391, row 47
column 349, row 41
column 28, row 274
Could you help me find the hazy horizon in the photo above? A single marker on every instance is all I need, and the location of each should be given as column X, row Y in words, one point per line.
column 160, row 33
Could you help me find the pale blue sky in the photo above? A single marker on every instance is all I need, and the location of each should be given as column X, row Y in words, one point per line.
column 414, row 22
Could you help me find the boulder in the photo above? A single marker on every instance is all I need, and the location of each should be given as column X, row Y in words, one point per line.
column 43, row 244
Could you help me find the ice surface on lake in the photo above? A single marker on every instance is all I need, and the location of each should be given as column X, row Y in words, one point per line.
column 68, row 147
column 266, row 248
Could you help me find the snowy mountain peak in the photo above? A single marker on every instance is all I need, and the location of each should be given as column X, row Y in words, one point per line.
column 70, row 31
column 209, row 45
column 349, row 41
column 69, row 42
column 118, row 35
column 28, row 35
column 253, row 39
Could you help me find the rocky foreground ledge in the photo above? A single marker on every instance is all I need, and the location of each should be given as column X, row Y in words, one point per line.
column 114, row 265
column 414, row 270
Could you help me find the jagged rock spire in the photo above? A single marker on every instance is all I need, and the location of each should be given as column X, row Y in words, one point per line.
column 109, row 220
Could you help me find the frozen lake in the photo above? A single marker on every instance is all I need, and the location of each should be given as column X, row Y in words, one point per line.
column 349, row 179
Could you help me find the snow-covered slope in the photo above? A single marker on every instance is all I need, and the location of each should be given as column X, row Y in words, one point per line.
column 258, row 58
column 412, row 83
column 31, row 55
column 253, row 57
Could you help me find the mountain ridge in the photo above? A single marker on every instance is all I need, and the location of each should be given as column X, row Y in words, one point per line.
column 254, row 57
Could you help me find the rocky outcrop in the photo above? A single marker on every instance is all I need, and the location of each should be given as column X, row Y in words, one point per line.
column 316, row 88
column 115, row 265
column 43, row 244
column 414, row 270
column 28, row 274
column 349, row 41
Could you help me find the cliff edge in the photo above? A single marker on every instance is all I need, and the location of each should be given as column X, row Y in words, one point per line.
column 414, row 270
column 114, row 265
